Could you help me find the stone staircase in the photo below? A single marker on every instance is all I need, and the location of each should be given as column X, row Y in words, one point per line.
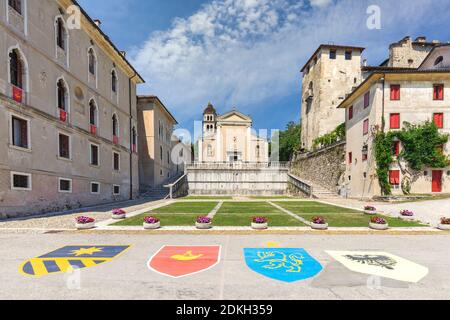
column 312, row 189
column 157, row 193
column 320, row 192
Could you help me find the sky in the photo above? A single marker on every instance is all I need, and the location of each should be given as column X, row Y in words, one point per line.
column 247, row 54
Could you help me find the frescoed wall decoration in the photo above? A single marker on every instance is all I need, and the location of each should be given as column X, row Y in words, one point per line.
column 381, row 264
column 69, row 258
column 181, row 261
column 287, row 265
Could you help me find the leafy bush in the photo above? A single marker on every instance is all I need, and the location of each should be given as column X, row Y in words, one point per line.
column 328, row 139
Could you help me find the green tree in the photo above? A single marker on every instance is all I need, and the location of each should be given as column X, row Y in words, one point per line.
column 290, row 141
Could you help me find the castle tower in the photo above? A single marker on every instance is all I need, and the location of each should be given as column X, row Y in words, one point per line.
column 209, row 120
column 330, row 73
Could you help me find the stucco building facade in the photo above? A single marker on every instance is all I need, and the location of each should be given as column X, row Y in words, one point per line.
column 398, row 95
column 230, row 138
column 156, row 143
column 68, row 133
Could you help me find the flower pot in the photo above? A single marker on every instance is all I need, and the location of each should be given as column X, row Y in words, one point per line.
column 119, row 216
column 370, row 213
column 260, row 226
column 377, row 226
column 85, row 226
column 317, row 226
column 203, row 226
column 407, row 218
column 152, row 226
column 444, row 227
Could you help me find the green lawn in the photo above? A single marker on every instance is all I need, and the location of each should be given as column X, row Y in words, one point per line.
column 245, row 219
column 253, row 208
column 206, row 198
column 198, row 208
column 166, row 220
column 339, row 217
column 274, row 197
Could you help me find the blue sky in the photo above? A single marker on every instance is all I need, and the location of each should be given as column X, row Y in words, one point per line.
column 248, row 53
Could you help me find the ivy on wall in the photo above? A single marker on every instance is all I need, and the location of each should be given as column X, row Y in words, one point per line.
column 421, row 148
column 328, row 139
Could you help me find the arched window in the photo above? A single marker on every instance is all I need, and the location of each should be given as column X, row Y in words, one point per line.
column 16, row 5
column 115, row 125
column 16, row 69
column 114, row 81
column 133, row 140
column 93, row 113
column 62, row 95
column 61, row 34
column 161, row 153
column 92, row 62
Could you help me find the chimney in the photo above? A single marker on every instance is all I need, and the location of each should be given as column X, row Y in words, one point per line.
column 98, row 22
column 421, row 39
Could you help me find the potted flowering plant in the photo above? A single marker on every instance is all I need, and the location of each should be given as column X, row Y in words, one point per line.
column 119, row 214
column 370, row 210
column 445, row 224
column 260, row 223
column 203, row 223
column 407, row 214
column 319, row 223
column 378, row 223
column 83, row 223
column 151, row 223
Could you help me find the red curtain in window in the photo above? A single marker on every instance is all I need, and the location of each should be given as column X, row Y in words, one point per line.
column 395, row 92
column 396, row 148
column 394, row 177
column 439, row 120
column 395, row 121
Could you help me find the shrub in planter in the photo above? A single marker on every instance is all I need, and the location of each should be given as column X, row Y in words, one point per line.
column 319, row 223
column 83, row 223
column 370, row 210
column 260, row 223
column 119, row 214
column 378, row 223
column 445, row 224
column 407, row 214
column 151, row 223
column 203, row 223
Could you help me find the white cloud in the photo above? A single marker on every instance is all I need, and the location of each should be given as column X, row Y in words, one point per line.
column 244, row 52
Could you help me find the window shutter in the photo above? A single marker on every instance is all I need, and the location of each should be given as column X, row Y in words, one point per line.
column 439, row 120
column 395, row 92
column 350, row 113
column 394, row 177
column 366, row 127
column 395, row 121
column 396, row 148
column 366, row 99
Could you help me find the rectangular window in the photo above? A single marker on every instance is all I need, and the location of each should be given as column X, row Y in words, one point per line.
column 94, row 155
column 438, row 119
column 366, row 99
column 366, row 127
column 116, row 190
column 395, row 121
column 65, row 185
column 64, row 146
column 395, row 92
column 364, row 156
column 116, row 161
column 438, row 92
column 394, row 177
column 332, row 54
column 348, row 55
column 350, row 113
column 396, row 148
column 20, row 181
column 19, row 129
column 350, row 158
column 95, row 187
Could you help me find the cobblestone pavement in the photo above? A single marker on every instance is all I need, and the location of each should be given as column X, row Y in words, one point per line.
column 58, row 221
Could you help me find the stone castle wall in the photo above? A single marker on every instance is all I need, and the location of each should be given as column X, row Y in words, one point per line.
column 324, row 167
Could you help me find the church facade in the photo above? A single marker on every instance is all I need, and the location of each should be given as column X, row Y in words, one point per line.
column 230, row 138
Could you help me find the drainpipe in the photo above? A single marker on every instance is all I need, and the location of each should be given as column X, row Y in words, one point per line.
column 131, row 135
column 383, row 119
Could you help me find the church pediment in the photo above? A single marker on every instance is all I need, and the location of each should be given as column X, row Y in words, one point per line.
column 234, row 116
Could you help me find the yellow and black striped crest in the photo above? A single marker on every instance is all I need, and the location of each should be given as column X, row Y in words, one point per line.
column 70, row 258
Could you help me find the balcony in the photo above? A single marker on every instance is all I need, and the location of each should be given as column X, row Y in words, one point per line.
column 62, row 115
column 16, row 20
column 93, row 129
column 116, row 140
column 61, row 56
column 15, row 93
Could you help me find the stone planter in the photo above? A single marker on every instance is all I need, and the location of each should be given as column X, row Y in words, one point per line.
column 317, row 226
column 407, row 218
column 152, row 226
column 260, row 226
column 370, row 213
column 119, row 216
column 203, row 226
column 444, row 227
column 377, row 226
column 85, row 226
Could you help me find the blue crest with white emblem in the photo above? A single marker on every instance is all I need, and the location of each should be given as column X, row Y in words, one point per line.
column 288, row 265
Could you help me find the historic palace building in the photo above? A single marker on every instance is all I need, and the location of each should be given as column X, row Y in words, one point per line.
column 230, row 138
column 68, row 133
